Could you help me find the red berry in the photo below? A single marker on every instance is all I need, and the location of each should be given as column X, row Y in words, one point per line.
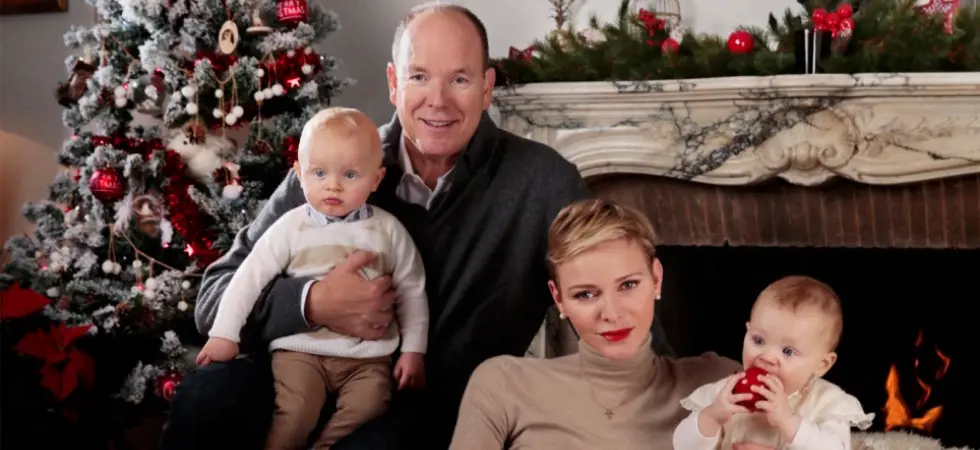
column 845, row 11
column 670, row 46
column 744, row 386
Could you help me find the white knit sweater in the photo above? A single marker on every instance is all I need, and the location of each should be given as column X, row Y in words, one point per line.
column 299, row 246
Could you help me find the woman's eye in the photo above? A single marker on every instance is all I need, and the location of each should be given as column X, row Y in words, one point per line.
column 629, row 284
column 583, row 295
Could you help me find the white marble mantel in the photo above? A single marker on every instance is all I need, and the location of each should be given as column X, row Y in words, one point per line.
column 807, row 129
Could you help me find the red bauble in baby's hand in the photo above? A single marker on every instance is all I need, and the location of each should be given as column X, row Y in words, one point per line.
column 744, row 386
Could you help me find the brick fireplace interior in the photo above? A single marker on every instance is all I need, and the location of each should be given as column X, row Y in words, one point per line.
column 905, row 261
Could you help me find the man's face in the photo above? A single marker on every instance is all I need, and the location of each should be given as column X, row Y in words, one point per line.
column 439, row 84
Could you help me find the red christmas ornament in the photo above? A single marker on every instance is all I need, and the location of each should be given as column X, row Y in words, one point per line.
column 741, row 42
column 106, row 185
column 290, row 149
column 832, row 20
column 167, row 384
column 744, row 386
column 670, row 46
column 292, row 12
column 819, row 17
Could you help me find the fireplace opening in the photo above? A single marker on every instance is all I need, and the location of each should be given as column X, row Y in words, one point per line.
column 905, row 260
column 911, row 339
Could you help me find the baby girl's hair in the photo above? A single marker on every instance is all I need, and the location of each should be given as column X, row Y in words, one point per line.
column 797, row 291
column 341, row 122
column 585, row 224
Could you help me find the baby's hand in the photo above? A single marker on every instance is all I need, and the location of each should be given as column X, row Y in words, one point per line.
column 776, row 406
column 217, row 349
column 726, row 403
column 410, row 371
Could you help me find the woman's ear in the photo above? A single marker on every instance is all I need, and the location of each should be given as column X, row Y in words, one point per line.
column 657, row 271
column 555, row 293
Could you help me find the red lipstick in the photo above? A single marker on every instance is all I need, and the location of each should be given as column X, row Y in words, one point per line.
column 617, row 335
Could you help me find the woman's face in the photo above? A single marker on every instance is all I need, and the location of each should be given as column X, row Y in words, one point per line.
column 608, row 294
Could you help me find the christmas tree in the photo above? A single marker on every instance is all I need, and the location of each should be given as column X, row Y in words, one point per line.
column 97, row 303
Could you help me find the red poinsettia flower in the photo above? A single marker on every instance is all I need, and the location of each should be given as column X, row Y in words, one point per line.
column 18, row 302
column 63, row 366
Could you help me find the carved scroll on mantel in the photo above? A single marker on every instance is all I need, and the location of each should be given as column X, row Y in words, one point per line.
column 806, row 129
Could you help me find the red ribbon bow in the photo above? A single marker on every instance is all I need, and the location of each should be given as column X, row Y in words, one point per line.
column 524, row 55
column 837, row 22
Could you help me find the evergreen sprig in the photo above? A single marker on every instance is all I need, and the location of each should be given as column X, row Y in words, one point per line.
column 888, row 36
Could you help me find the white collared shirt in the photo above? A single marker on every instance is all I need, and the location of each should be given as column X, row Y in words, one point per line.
column 411, row 187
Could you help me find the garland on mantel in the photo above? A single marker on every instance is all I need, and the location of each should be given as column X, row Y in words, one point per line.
column 886, row 36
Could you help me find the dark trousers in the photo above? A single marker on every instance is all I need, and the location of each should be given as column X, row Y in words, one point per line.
column 230, row 405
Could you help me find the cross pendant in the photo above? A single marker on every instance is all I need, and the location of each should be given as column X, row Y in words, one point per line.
column 609, row 414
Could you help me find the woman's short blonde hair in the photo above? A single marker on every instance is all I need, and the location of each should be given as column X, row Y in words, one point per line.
column 585, row 224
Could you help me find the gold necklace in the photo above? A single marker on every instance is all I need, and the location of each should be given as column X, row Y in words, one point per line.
column 609, row 412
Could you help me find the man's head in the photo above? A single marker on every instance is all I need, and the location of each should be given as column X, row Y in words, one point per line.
column 439, row 79
column 605, row 274
column 793, row 331
column 339, row 160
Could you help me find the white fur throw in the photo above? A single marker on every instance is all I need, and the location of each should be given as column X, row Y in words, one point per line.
column 896, row 440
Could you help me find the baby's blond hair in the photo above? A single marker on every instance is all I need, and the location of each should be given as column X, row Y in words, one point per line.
column 340, row 122
column 797, row 292
column 585, row 224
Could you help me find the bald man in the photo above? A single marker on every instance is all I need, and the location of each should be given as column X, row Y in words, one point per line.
column 477, row 201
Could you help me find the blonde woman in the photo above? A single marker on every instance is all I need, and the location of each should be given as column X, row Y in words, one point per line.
column 615, row 393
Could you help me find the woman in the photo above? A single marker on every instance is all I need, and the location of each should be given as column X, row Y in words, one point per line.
column 615, row 393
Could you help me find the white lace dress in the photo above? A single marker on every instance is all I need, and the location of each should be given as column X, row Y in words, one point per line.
column 828, row 415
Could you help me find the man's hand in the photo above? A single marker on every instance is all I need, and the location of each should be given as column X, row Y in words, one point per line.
column 410, row 371
column 776, row 407
column 217, row 350
column 347, row 303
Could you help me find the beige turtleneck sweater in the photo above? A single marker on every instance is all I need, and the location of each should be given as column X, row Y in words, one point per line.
column 531, row 403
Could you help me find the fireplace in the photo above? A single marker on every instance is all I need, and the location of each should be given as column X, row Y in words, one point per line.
column 907, row 286
column 869, row 182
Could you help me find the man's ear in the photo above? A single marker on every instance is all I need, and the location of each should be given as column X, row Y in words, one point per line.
column 489, row 80
column 392, row 84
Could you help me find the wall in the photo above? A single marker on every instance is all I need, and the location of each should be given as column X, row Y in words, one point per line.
column 32, row 57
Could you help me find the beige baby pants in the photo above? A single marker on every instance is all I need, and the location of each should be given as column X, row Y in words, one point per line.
column 303, row 384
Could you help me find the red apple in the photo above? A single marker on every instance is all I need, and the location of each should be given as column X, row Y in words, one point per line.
column 744, row 386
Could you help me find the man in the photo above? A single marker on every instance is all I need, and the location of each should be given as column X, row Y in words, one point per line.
column 478, row 202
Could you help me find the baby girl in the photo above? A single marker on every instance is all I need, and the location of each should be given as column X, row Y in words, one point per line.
column 791, row 336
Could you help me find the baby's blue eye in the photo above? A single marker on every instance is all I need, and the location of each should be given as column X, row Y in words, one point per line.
column 319, row 173
column 350, row 175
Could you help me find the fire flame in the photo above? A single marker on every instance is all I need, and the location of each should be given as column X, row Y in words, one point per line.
column 897, row 412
